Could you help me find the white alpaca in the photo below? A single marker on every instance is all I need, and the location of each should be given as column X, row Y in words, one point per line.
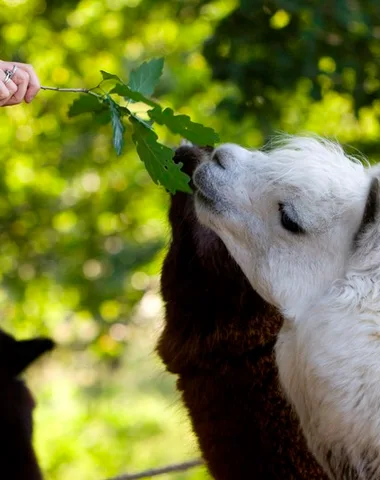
column 302, row 222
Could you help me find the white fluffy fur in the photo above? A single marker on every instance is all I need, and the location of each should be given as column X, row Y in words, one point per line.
column 325, row 282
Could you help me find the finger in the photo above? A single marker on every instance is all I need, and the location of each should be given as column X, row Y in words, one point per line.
column 15, row 98
column 10, row 84
column 21, row 80
column 9, row 88
column 33, row 83
column 4, row 94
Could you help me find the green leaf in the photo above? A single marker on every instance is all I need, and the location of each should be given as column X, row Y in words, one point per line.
column 109, row 76
column 103, row 117
column 158, row 159
column 124, row 91
column 146, row 123
column 124, row 111
column 85, row 103
column 117, row 125
column 181, row 124
column 145, row 78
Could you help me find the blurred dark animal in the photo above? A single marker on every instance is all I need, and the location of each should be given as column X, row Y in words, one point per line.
column 218, row 338
column 17, row 458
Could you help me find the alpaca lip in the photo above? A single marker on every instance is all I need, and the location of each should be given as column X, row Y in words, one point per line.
column 204, row 199
column 202, row 184
column 207, row 195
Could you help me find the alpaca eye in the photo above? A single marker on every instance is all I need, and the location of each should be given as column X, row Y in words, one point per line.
column 287, row 222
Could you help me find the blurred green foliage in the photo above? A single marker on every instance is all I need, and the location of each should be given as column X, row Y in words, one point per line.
column 265, row 48
column 82, row 231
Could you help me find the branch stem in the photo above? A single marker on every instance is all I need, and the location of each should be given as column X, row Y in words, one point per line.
column 73, row 90
column 178, row 467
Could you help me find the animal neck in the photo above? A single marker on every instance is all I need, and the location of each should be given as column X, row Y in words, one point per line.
column 355, row 295
column 297, row 308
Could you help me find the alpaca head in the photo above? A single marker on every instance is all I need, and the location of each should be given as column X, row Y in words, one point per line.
column 289, row 216
column 17, row 459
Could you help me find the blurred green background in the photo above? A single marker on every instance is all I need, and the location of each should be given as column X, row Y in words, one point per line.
column 83, row 232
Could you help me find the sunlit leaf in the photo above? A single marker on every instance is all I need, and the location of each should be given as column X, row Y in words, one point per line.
column 182, row 124
column 145, row 78
column 109, row 76
column 124, row 91
column 158, row 159
column 117, row 125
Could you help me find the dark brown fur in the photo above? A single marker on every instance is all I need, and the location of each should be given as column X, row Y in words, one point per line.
column 17, row 458
column 218, row 338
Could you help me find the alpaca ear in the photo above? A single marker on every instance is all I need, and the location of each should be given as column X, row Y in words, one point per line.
column 23, row 352
column 371, row 209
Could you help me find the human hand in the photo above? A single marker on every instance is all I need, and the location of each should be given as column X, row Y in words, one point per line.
column 21, row 83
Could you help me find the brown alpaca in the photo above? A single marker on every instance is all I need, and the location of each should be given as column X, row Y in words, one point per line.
column 218, row 338
column 17, row 457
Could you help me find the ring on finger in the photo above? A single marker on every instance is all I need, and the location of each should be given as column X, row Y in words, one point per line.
column 9, row 74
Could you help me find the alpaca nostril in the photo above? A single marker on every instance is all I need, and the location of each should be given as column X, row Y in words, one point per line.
column 217, row 158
